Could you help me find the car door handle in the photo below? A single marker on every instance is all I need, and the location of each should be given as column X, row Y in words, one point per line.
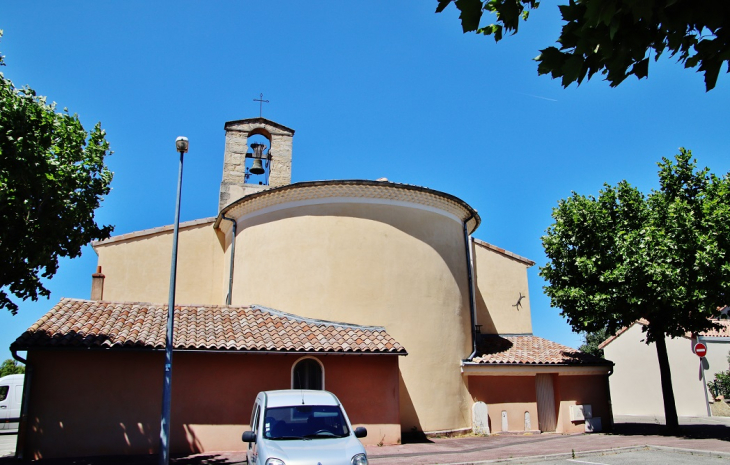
column 3, row 406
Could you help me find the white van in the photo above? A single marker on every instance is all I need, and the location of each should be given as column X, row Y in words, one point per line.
column 11, row 396
column 295, row 427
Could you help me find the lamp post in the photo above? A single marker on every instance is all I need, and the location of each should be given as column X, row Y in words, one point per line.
column 181, row 144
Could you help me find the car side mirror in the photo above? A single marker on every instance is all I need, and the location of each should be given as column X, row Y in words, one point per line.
column 248, row 436
column 361, row 432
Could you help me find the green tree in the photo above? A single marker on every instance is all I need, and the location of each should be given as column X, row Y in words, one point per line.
column 52, row 178
column 616, row 37
column 662, row 257
column 11, row 367
column 591, row 341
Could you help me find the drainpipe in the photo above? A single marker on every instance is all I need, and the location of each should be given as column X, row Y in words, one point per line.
column 23, row 422
column 233, row 255
column 472, row 301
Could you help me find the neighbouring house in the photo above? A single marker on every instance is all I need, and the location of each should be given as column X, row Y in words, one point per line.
column 636, row 382
column 374, row 290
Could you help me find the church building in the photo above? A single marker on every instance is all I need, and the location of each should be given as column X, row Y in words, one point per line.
column 374, row 290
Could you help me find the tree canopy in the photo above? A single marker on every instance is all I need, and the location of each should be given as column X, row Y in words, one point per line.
column 591, row 341
column 11, row 367
column 661, row 258
column 616, row 37
column 52, row 178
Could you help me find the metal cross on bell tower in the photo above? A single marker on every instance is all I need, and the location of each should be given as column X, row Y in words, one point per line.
column 261, row 103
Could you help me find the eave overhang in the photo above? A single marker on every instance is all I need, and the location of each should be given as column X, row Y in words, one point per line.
column 354, row 190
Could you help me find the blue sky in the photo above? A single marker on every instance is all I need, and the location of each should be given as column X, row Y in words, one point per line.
column 373, row 89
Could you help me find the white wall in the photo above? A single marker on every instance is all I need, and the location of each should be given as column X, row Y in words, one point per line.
column 717, row 353
column 636, row 384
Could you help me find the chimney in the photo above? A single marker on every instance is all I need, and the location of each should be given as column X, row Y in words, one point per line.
column 97, row 285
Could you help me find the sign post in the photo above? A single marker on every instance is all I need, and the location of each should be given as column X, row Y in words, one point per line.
column 701, row 350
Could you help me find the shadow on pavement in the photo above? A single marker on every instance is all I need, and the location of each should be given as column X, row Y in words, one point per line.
column 703, row 431
column 202, row 459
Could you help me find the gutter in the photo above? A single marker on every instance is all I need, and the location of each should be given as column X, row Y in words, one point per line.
column 472, row 301
column 212, row 350
column 23, row 423
column 233, row 256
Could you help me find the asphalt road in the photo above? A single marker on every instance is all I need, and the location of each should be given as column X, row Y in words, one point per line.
column 7, row 444
column 643, row 456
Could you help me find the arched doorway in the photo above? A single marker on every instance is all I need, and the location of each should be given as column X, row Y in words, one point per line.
column 308, row 373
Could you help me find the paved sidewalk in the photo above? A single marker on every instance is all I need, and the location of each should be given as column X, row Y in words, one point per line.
column 696, row 433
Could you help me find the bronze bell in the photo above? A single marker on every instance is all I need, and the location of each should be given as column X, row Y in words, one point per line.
column 257, row 167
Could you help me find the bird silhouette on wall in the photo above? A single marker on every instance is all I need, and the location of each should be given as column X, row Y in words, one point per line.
column 519, row 301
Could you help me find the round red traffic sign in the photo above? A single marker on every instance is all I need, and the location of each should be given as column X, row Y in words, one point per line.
column 700, row 349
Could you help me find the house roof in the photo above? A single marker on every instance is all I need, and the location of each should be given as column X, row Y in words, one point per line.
column 722, row 331
column 506, row 253
column 151, row 232
column 75, row 323
column 493, row 349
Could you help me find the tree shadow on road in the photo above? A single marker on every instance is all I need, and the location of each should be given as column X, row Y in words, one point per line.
column 198, row 459
column 705, row 431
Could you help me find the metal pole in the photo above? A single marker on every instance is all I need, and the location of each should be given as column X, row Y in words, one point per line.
column 704, row 386
column 167, row 385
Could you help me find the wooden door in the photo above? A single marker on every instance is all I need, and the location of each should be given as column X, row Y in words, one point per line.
column 546, row 417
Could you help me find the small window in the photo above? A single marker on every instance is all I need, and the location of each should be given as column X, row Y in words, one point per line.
column 4, row 392
column 307, row 374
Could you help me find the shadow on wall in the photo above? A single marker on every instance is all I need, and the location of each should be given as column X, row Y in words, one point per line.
column 485, row 318
column 411, row 430
column 407, row 221
column 701, row 431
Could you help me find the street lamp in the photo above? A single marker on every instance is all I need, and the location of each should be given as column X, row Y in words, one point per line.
column 181, row 144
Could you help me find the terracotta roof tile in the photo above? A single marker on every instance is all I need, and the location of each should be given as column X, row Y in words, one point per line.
column 85, row 323
column 722, row 331
column 529, row 350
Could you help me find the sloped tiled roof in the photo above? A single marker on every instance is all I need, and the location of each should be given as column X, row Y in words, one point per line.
column 722, row 331
column 529, row 350
column 87, row 323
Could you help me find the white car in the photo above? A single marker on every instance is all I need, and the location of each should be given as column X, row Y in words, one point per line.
column 302, row 427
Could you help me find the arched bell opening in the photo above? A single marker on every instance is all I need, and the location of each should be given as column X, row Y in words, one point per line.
column 258, row 158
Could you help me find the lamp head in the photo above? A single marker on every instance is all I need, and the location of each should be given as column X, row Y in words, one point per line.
column 181, row 144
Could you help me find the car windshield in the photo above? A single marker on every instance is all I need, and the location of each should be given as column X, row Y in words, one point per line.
column 305, row 422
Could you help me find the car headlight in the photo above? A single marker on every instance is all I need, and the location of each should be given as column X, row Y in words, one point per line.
column 359, row 459
column 276, row 462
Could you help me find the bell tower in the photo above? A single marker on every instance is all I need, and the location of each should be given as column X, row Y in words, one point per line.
column 250, row 168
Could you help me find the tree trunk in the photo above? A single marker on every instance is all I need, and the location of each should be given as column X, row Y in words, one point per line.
column 670, row 409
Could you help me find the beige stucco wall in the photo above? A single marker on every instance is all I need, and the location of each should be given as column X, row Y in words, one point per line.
column 636, row 383
column 499, row 281
column 718, row 350
column 374, row 264
column 137, row 267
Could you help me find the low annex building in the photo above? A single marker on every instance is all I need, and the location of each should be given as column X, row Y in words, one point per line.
column 635, row 359
column 373, row 290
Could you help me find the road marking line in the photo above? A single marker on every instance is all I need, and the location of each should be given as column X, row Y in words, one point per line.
column 581, row 461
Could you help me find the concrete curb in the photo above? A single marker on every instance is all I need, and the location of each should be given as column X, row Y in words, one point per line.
column 593, row 453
